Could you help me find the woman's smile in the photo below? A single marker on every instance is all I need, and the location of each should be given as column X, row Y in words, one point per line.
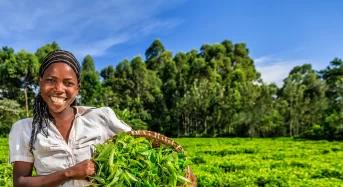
column 58, row 100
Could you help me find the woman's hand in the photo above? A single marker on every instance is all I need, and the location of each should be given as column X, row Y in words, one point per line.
column 22, row 174
column 81, row 170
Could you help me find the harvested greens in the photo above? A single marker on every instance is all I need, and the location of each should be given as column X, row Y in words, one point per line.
column 131, row 161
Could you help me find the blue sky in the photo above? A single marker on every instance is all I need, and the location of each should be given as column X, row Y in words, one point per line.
column 279, row 34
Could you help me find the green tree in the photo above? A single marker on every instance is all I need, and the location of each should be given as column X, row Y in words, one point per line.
column 138, row 88
column 267, row 120
column 9, row 113
column 333, row 76
column 152, row 53
column 305, row 94
column 90, row 83
column 108, row 73
column 167, row 74
column 18, row 71
column 28, row 67
column 45, row 50
column 88, row 64
column 9, row 86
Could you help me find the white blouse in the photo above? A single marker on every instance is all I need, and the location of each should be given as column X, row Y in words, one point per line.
column 91, row 126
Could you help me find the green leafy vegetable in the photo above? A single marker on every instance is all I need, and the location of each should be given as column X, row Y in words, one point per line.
column 130, row 161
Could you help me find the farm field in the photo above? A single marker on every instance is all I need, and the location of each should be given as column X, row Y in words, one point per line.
column 246, row 162
column 265, row 162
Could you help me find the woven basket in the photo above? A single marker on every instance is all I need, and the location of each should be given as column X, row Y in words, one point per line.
column 159, row 139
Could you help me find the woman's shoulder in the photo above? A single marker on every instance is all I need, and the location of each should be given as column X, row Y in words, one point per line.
column 27, row 122
column 104, row 115
column 23, row 125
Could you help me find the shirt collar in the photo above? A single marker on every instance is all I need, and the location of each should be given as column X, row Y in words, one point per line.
column 80, row 110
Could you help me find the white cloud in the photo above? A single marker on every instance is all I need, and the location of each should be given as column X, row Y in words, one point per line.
column 97, row 48
column 275, row 70
column 86, row 26
column 263, row 59
column 156, row 24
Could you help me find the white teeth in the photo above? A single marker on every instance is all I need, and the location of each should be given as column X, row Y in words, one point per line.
column 57, row 99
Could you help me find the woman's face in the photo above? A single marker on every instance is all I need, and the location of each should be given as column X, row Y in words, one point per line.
column 59, row 87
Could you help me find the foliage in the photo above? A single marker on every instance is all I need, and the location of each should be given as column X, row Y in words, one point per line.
column 18, row 71
column 215, row 91
column 45, row 50
column 90, row 83
column 9, row 113
column 333, row 123
column 129, row 118
column 304, row 92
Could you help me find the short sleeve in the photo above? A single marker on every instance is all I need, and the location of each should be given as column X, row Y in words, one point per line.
column 114, row 124
column 18, row 141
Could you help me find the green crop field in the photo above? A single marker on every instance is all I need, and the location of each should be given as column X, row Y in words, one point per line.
column 256, row 162
column 5, row 169
column 265, row 162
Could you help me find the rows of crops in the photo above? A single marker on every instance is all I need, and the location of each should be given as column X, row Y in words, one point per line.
column 265, row 162
column 245, row 162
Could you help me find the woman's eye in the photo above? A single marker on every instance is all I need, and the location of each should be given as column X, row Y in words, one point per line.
column 69, row 83
column 50, row 80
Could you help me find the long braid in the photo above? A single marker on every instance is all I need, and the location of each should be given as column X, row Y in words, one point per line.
column 40, row 109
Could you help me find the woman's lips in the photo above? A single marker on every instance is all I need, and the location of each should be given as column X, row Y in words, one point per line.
column 58, row 100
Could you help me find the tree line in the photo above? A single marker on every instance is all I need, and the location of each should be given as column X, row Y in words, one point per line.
column 215, row 91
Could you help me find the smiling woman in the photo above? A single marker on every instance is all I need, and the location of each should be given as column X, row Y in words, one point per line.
column 58, row 140
column 59, row 88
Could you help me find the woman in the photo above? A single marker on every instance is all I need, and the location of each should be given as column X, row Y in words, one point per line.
column 58, row 140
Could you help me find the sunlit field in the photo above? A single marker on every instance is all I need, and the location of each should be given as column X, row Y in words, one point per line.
column 246, row 162
column 265, row 162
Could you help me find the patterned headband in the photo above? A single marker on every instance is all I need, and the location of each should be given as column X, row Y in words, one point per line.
column 61, row 56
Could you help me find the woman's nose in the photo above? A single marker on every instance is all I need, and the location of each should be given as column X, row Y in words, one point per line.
column 59, row 87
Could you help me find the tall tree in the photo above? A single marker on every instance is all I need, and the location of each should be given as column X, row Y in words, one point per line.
column 152, row 53
column 333, row 76
column 168, row 74
column 8, row 87
column 139, row 88
column 268, row 121
column 19, row 71
column 305, row 94
column 88, row 64
column 45, row 50
column 28, row 65
column 90, row 83
column 9, row 113
column 108, row 73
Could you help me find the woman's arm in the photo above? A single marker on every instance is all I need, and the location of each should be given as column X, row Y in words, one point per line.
column 22, row 174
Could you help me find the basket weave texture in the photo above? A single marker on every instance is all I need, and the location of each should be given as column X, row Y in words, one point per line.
column 159, row 139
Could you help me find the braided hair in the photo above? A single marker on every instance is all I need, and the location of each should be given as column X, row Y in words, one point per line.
column 40, row 109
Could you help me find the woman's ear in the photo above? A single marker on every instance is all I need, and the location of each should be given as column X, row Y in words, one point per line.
column 40, row 81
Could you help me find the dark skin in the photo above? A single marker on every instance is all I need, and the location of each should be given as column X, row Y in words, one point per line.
column 59, row 88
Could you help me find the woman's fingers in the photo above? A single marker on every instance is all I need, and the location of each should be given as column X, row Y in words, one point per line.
column 83, row 169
